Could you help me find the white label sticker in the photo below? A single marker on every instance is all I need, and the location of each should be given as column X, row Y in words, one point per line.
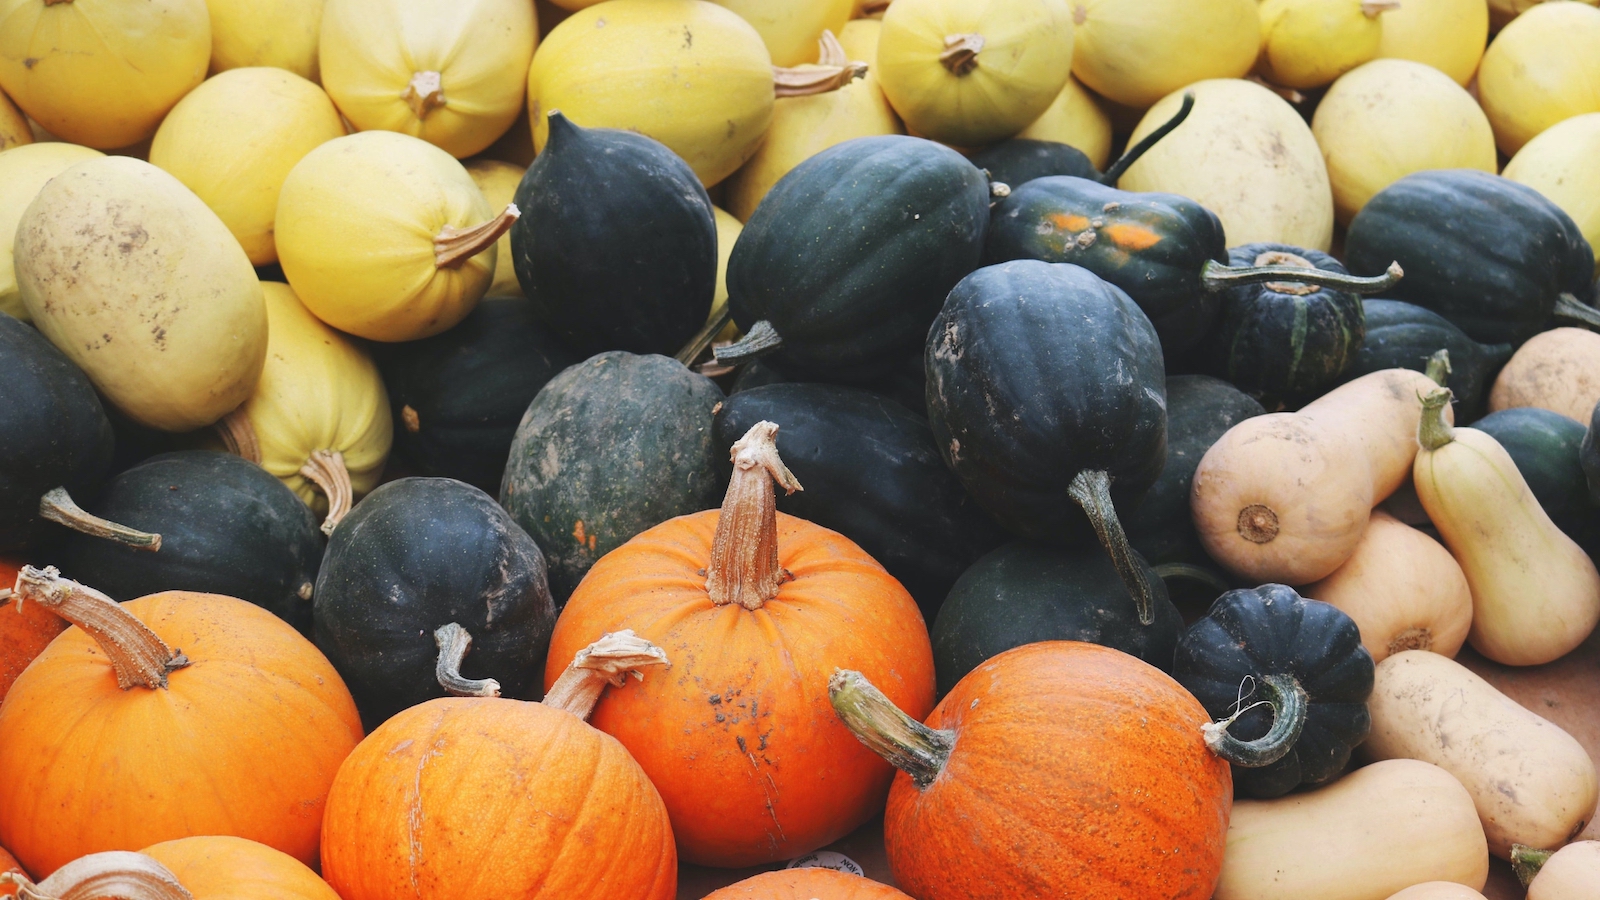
column 827, row 859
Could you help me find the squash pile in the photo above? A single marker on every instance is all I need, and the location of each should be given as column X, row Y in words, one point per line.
column 600, row 449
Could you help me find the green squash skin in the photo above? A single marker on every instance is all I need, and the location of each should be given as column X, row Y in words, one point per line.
column 227, row 526
column 468, row 388
column 1023, row 593
column 610, row 447
column 1546, row 446
column 1020, row 160
column 906, row 384
column 1403, row 335
column 852, row 252
column 616, row 247
column 1589, row 457
column 1283, row 347
column 413, row 556
column 1485, row 252
column 1152, row 246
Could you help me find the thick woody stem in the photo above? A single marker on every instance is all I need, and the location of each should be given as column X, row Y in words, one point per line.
column 137, row 655
column 1433, row 431
column 1439, row 367
column 57, row 506
column 425, row 93
column 829, row 51
column 1527, row 861
column 908, row 745
column 609, row 660
column 326, row 469
column 455, row 246
column 806, row 81
column 961, row 51
column 744, row 553
column 103, row 876
column 239, row 436
column 453, row 641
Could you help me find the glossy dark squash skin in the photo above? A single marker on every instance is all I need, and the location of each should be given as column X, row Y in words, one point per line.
column 1023, row 593
column 616, row 247
column 1589, row 456
column 872, row 473
column 1403, row 335
column 1271, row 630
column 613, row 445
column 906, row 384
column 415, row 555
column 1490, row 255
column 1020, row 160
column 458, row 396
column 53, row 433
column 1546, row 446
column 227, row 526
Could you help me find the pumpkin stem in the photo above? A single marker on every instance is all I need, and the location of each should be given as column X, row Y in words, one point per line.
column 806, row 81
column 1131, row 156
column 609, row 660
column 98, row 876
column 57, row 506
column 455, row 246
column 137, row 655
column 960, row 54
column 239, row 436
column 1570, row 308
column 1091, row 488
column 1374, row 8
column 703, row 338
column 1215, row 276
column 908, row 745
column 1201, row 574
column 326, row 469
column 1526, row 862
column 453, row 641
column 1433, row 431
column 1289, row 706
column 1438, row 369
column 760, row 340
column 425, row 93
column 744, row 553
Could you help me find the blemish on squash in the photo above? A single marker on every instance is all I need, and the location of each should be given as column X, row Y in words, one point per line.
column 1258, row 524
column 1068, row 221
column 413, row 422
column 1132, row 237
column 577, row 532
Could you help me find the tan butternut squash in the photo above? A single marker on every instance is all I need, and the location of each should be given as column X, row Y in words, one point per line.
column 1570, row 873
column 1438, row 890
column 1535, row 593
column 1531, row 782
column 1403, row 590
column 1558, row 370
column 1375, row 831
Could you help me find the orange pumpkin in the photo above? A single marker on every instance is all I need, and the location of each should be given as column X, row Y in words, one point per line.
column 22, row 637
column 8, row 865
column 756, row 609
column 111, row 739
column 232, row 868
column 806, row 884
column 1057, row 769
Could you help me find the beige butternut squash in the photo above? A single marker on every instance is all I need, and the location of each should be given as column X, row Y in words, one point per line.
column 1571, row 873
column 1438, row 890
column 1558, row 370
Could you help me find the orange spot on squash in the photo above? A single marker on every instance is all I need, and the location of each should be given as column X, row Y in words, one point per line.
column 1132, row 237
column 1068, row 222
column 577, row 532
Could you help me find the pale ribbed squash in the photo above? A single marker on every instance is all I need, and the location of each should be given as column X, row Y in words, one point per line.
column 233, row 140
column 1543, row 68
column 1135, row 52
column 1501, row 12
column 23, row 171
column 449, row 73
column 282, row 33
column 1560, row 164
column 1391, row 117
column 498, row 181
column 728, row 229
column 1447, row 34
column 14, row 130
column 790, row 28
column 102, row 73
column 1309, row 43
column 1075, row 118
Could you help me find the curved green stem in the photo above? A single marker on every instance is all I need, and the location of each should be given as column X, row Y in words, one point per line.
column 1215, row 276
column 703, row 338
column 1289, row 709
column 1092, row 491
column 1433, row 431
column 1570, row 308
column 1526, row 862
column 908, row 745
column 57, row 506
column 1131, row 156
column 1439, row 368
column 760, row 340
column 1201, row 574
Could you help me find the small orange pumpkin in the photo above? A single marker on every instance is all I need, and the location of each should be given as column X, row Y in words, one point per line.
column 756, row 609
column 807, row 884
column 232, row 868
column 22, row 637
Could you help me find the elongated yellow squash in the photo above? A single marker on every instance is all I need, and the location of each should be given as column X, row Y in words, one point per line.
column 1309, row 43
column 1449, row 35
column 1559, row 164
column 1542, row 69
column 1074, row 118
column 498, row 181
column 1134, row 52
column 282, row 34
column 791, row 28
column 23, row 171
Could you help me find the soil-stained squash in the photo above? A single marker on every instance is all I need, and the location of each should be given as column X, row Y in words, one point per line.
column 232, row 868
column 143, row 287
column 449, row 73
column 1246, row 155
column 791, row 28
column 22, row 637
column 282, row 34
column 1541, row 69
column 1403, row 590
column 608, row 448
column 1567, row 874
column 499, row 180
column 1556, row 165
column 233, row 140
column 1392, row 117
column 14, row 128
column 1074, row 118
column 1449, row 35
column 810, row 883
column 1309, row 43
column 1403, row 335
column 102, row 74
column 22, row 174
column 386, row 236
column 239, row 734
column 1381, row 828
column 1547, row 448
column 1558, row 370
column 1134, row 52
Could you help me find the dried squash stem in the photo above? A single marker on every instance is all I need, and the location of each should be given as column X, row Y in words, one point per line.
column 744, row 553
column 609, row 660
column 137, row 655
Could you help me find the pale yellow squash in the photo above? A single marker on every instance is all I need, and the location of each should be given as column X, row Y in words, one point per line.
column 498, row 181
column 1558, row 370
column 1389, row 118
column 1075, row 118
column 1560, row 164
column 386, row 236
column 791, row 28
column 14, row 130
column 1449, row 35
column 139, row 283
column 23, row 171
column 1309, row 43
column 1542, row 69
column 1134, row 52
column 1437, row 890
column 1246, row 155
column 449, row 73
column 728, row 229
column 1501, row 12
column 280, row 33
column 972, row 72
column 1570, row 873
column 102, row 73
column 233, row 141
column 859, row 38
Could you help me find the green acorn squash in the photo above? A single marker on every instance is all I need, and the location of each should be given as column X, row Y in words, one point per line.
column 1589, row 456
column 1016, row 161
column 1546, row 446
column 1403, row 335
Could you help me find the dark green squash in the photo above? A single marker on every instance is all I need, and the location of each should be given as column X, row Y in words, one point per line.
column 1023, row 593
column 227, row 526
column 906, row 383
column 413, row 556
column 613, row 445
column 616, row 247
column 1589, row 456
column 1546, row 446
column 458, row 396
column 1492, row 256
column 1017, row 161
column 872, row 473
column 1403, row 335
column 848, row 258
column 1304, row 657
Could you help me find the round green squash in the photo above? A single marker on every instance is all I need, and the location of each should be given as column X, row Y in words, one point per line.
column 1016, row 161
column 1546, row 446
column 1589, row 456
column 1403, row 335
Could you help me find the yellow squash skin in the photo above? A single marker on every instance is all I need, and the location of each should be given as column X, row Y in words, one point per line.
column 1560, row 164
column 1074, row 118
column 1447, row 34
column 859, row 37
column 1389, row 118
column 1375, row 831
column 449, row 73
column 790, row 28
column 1569, row 874
column 498, row 181
column 14, row 130
column 23, row 171
column 1309, row 43
column 102, row 73
column 141, row 285
column 1543, row 68
column 626, row 64
column 1246, row 155
column 1135, row 52
column 728, row 230
column 1501, row 12
column 1023, row 58
column 356, row 223
column 282, row 33
column 233, row 140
